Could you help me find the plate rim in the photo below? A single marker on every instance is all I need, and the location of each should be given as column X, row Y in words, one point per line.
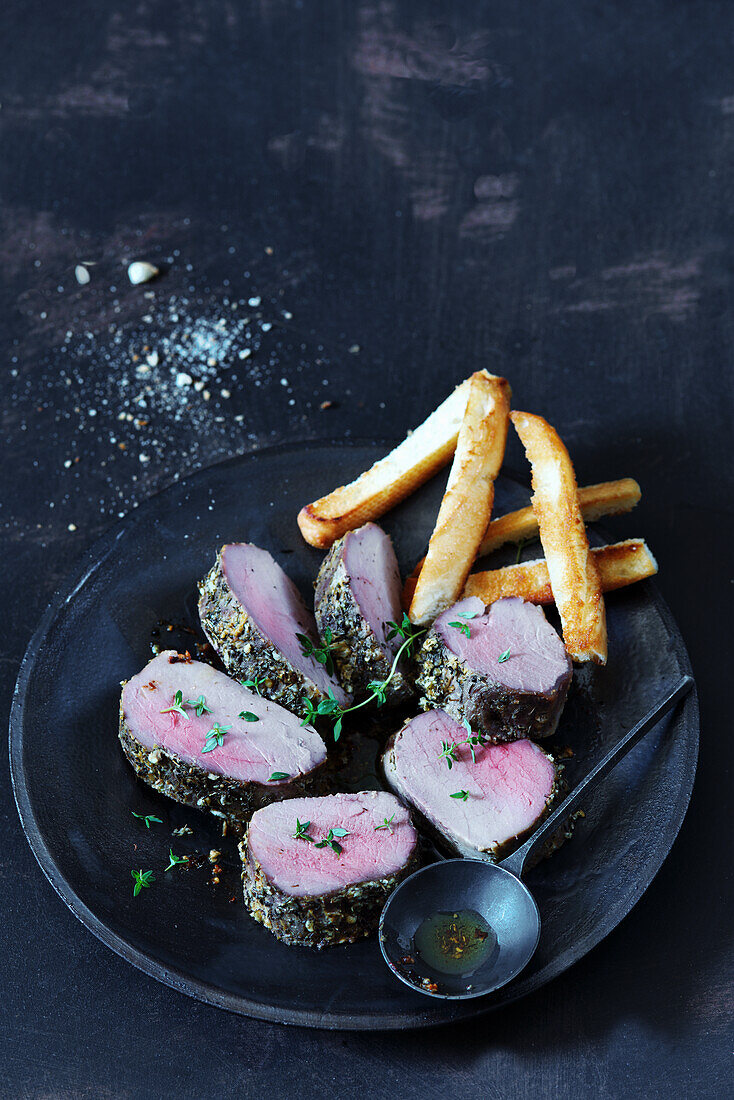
column 201, row 990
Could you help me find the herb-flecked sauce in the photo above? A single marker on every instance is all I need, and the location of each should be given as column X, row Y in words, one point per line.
column 454, row 943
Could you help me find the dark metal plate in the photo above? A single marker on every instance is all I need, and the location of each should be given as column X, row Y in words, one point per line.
column 75, row 792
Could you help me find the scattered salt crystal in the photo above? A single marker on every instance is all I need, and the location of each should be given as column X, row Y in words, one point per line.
column 183, row 379
column 71, row 527
column 67, row 464
column 245, row 353
column 198, row 386
column 81, row 274
column 254, row 302
column 140, row 271
column 284, row 381
column 354, row 349
column 225, row 393
column 266, row 326
column 144, row 458
column 287, row 315
column 205, row 394
column 152, row 359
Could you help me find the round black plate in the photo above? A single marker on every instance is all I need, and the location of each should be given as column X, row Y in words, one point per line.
column 75, row 792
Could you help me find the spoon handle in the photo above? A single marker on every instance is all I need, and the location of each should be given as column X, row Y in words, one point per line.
column 516, row 862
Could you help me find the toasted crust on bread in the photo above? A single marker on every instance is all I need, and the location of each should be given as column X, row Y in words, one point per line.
column 618, row 565
column 610, row 498
column 573, row 573
column 467, row 502
column 389, row 480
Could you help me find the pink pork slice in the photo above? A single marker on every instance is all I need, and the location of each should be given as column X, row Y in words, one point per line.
column 273, row 602
column 509, row 787
column 371, row 564
column 251, row 751
column 369, row 852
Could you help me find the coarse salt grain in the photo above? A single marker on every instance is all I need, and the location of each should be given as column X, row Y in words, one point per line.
column 140, row 271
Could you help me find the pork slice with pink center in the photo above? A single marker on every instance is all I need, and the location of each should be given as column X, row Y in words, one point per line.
column 316, row 871
column 482, row 805
column 503, row 668
column 253, row 614
column 203, row 739
column 357, row 597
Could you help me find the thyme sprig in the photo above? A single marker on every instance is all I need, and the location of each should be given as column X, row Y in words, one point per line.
column 254, row 683
column 301, row 832
column 463, row 795
column 331, row 708
column 147, row 818
column 177, row 707
column 386, row 824
column 215, row 737
column 464, row 627
column 320, row 653
column 330, row 840
column 175, row 860
column 142, row 880
column 199, row 706
column 404, row 630
column 448, row 753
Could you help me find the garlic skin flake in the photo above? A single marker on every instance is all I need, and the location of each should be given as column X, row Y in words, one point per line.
column 140, row 271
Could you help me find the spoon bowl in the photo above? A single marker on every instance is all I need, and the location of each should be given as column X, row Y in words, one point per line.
column 488, row 889
column 460, row 897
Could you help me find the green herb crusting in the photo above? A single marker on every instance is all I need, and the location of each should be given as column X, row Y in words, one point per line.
column 147, row 818
column 142, row 880
column 215, row 737
column 175, row 860
column 177, row 707
column 331, row 708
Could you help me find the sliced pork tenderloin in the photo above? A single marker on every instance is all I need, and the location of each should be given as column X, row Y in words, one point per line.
column 258, row 753
column 317, row 871
column 504, row 669
column 482, row 806
column 251, row 612
column 357, row 595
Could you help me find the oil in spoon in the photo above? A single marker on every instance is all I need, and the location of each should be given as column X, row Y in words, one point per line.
column 454, row 943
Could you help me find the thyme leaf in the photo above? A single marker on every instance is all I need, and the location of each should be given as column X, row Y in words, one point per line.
column 248, row 716
column 142, row 880
column 503, row 657
column 330, row 840
column 463, row 795
column 215, row 737
column 254, row 683
column 199, row 705
column 386, row 824
column 332, row 709
column 277, row 776
column 320, row 653
column 175, row 860
column 405, row 630
column 177, row 705
column 463, row 627
column 147, row 818
column 448, row 753
column 301, row 832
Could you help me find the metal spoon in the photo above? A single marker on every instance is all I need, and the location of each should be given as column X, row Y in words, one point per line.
column 492, row 891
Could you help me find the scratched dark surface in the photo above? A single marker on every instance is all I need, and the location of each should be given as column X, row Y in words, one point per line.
column 412, row 192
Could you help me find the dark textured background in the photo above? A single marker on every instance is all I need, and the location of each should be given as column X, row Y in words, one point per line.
column 542, row 189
